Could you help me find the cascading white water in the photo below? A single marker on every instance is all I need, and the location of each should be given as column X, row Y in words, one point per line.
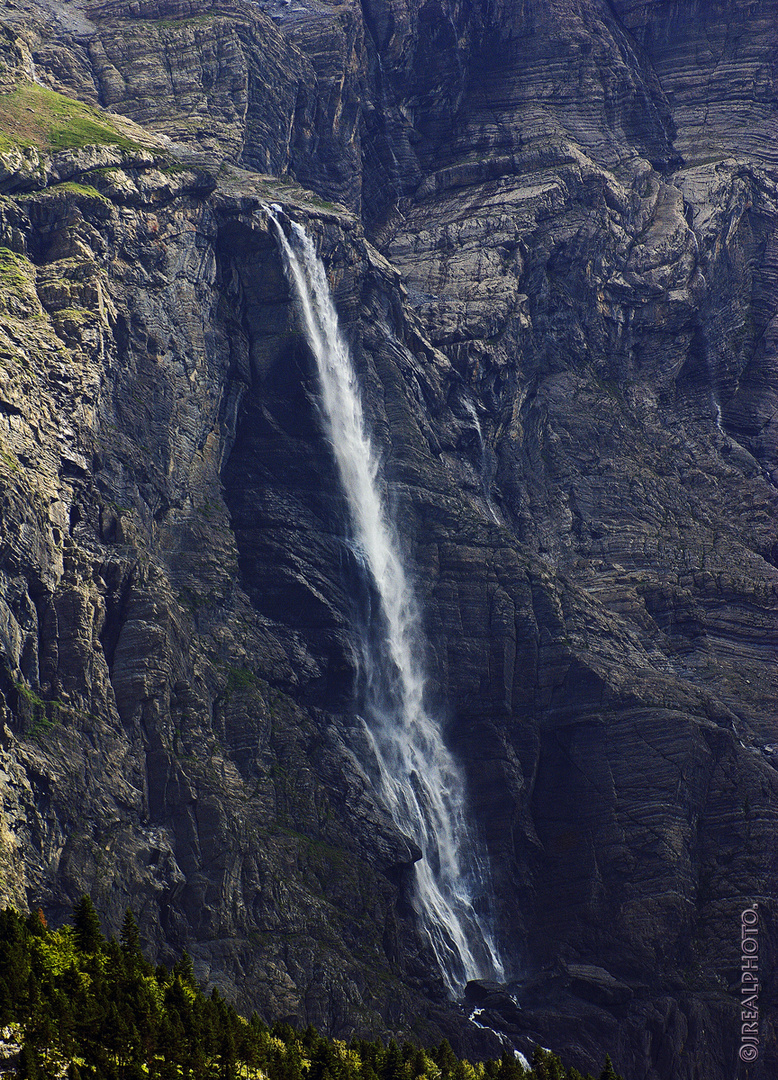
column 416, row 775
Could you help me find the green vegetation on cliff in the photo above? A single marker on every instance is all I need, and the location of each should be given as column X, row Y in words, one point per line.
column 77, row 1005
column 33, row 115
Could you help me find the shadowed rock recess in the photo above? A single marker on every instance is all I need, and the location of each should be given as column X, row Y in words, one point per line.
column 551, row 231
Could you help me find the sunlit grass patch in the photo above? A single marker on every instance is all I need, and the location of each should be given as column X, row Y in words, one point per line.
column 33, row 115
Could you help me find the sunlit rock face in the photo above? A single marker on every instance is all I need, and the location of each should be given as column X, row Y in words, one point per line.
column 554, row 258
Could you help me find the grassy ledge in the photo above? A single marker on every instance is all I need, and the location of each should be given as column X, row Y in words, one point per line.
column 34, row 116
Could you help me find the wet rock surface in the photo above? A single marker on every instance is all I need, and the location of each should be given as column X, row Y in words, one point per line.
column 568, row 362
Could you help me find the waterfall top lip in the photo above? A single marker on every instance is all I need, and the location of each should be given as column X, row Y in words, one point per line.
column 274, row 210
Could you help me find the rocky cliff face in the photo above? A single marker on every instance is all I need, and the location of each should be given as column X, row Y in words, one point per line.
column 555, row 260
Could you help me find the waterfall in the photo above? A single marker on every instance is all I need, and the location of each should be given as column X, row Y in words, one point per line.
column 717, row 412
column 416, row 777
column 486, row 471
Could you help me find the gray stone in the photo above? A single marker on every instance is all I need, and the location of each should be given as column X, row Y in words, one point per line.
column 558, row 285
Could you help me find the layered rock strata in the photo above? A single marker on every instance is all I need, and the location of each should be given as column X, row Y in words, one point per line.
column 568, row 362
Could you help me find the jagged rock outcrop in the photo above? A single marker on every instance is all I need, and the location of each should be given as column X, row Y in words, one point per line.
column 568, row 362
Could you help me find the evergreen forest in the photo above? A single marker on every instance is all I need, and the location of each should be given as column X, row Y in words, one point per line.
column 76, row 1005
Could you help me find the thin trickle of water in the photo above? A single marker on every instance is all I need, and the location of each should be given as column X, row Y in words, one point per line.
column 415, row 774
column 717, row 413
column 486, row 479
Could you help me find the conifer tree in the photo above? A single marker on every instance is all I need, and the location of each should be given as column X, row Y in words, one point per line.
column 394, row 1066
column 510, row 1068
column 416, row 1059
column 445, row 1058
column 89, row 935
column 547, row 1066
column 130, row 936
column 29, row 1066
column 608, row 1072
column 7, row 1003
column 36, row 922
column 293, row 1062
column 184, row 969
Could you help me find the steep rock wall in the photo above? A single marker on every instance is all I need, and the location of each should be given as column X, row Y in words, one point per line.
column 573, row 394
column 147, row 759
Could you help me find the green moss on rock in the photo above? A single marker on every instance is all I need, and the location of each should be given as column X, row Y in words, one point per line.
column 18, row 296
